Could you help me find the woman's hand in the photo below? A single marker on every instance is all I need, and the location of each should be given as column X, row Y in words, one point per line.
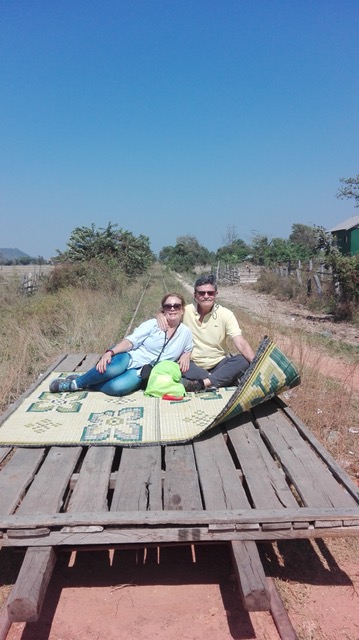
column 184, row 362
column 103, row 362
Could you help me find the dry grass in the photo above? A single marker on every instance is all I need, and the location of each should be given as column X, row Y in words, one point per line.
column 35, row 330
column 328, row 405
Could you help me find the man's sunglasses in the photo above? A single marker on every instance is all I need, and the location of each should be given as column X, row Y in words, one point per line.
column 210, row 294
column 176, row 306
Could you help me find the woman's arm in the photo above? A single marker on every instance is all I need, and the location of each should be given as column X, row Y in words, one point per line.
column 121, row 347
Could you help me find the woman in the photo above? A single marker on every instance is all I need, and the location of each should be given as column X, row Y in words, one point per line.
column 118, row 372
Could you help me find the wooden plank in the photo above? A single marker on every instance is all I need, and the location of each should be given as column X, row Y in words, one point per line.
column 221, row 489
column 181, row 489
column 89, row 361
column 265, row 481
column 138, row 484
column 181, row 517
column 46, row 493
column 219, row 479
column 92, row 486
column 337, row 471
column 113, row 538
column 4, row 451
column 27, row 595
column 16, row 475
column 71, row 362
column 311, row 478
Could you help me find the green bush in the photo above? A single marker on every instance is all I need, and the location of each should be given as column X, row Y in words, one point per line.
column 94, row 274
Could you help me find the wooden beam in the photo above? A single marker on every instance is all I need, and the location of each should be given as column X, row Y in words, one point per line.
column 280, row 616
column 91, row 536
column 27, row 595
column 235, row 517
column 251, row 576
column 5, row 624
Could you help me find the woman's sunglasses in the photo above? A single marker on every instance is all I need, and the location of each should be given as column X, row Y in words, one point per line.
column 176, row 306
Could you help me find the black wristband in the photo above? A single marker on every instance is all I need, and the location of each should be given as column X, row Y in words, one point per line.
column 111, row 351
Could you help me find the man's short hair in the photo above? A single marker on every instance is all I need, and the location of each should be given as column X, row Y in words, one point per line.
column 208, row 278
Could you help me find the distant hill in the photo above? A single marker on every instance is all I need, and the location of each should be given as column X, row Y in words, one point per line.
column 13, row 254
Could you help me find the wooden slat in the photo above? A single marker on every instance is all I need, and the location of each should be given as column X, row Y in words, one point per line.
column 111, row 538
column 219, row 479
column 181, row 488
column 311, row 478
column 92, row 486
column 71, row 362
column 181, row 517
column 222, row 489
column 90, row 361
column 4, row 452
column 337, row 471
column 47, row 491
column 138, row 483
column 265, row 481
column 16, row 475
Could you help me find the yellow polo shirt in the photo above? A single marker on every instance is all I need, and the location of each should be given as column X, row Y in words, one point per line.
column 210, row 336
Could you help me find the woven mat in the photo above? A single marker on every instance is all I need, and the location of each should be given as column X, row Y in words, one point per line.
column 84, row 417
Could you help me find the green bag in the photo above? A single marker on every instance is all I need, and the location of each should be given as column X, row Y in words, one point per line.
column 165, row 380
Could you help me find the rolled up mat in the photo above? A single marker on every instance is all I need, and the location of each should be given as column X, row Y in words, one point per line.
column 269, row 374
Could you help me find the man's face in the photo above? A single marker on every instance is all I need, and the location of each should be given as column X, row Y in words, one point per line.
column 205, row 295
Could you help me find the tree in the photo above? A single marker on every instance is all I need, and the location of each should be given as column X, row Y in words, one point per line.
column 305, row 238
column 235, row 252
column 185, row 255
column 260, row 245
column 111, row 245
column 230, row 236
column 350, row 190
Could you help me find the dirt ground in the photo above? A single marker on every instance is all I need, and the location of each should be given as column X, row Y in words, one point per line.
column 175, row 594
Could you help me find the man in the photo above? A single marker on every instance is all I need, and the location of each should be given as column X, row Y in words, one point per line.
column 212, row 325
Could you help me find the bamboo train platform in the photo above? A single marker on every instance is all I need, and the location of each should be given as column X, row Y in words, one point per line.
column 258, row 477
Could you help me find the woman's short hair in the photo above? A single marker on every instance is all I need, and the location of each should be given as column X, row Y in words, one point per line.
column 176, row 295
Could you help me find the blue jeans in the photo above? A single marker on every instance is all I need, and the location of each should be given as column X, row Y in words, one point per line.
column 117, row 380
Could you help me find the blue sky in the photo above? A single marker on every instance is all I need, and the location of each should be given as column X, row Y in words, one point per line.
column 175, row 117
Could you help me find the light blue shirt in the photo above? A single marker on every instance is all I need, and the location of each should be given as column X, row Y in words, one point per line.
column 148, row 340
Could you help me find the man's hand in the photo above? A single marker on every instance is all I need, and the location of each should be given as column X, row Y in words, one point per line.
column 162, row 322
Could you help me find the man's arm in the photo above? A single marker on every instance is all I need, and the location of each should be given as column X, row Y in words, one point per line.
column 162, row 322
column 244, row 347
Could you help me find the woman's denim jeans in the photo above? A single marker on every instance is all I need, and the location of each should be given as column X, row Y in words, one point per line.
column 117, row 380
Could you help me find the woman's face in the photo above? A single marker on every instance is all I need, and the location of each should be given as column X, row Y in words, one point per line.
column 172, row 308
